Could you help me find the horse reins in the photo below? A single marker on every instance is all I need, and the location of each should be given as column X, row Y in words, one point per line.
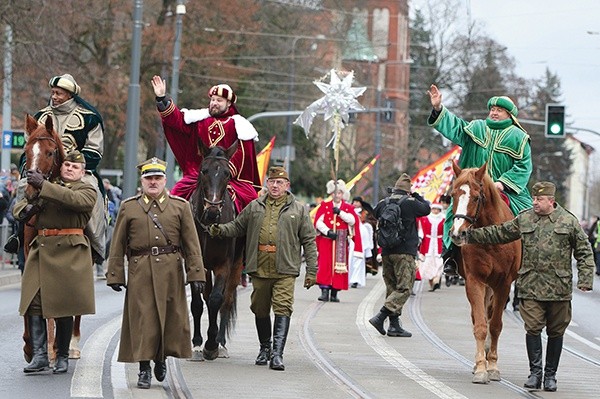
column 480, row 201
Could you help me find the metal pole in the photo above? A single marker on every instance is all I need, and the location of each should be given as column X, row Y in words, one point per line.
column 133, row 105
column 377, row 149
column 180, row 12
column 289, row 138
column 7, row 98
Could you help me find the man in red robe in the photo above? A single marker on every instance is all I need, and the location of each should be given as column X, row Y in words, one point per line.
column 218, row 125
column 336, row 222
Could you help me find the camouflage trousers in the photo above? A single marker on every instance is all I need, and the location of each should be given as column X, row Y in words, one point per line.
column 554, row 315
column 272, row 292
column 399, row 277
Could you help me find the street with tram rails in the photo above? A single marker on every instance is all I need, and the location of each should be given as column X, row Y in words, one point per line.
column 332, row 352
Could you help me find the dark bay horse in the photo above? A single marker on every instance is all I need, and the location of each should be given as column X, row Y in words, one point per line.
column 44, row 151
column 212, row 203
column 488, row 270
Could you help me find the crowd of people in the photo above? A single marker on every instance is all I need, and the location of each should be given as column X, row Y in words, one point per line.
column 340, row 242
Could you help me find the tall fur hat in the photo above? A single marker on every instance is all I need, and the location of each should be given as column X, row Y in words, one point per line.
column 223, row 90
column 341, row 185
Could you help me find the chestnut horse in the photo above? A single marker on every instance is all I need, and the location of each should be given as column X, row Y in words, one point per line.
column 212, row 203
column 488, row 270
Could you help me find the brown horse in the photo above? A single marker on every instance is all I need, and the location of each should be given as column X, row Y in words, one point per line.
column 488, row 270
column 43, row 151
column 212, row 203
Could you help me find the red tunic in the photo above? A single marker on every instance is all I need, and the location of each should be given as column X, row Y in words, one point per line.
column 213, row 131
column 428, row 234
column 325, row 246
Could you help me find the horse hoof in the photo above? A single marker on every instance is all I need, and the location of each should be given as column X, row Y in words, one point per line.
column 481, row 377
column 494, row 375
column 197, row 354
column 223, row 352
column 74, row 354
column 210, row 354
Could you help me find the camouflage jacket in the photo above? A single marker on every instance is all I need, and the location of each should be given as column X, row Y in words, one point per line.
column 549, row 242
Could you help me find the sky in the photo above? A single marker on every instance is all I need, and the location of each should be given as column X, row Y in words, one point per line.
column 563, row 36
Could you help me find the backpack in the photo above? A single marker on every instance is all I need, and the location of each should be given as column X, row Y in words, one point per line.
column 390, row 229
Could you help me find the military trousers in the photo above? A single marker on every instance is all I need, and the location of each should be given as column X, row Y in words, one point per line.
column 554, row 315
column 277, row 293
column 399, row 277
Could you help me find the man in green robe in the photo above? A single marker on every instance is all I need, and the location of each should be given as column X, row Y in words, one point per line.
column 500, row 141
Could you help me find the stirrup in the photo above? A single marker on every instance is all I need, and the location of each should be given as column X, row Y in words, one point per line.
column 450, row 267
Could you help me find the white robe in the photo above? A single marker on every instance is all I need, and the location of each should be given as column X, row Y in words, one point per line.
column 357, row 272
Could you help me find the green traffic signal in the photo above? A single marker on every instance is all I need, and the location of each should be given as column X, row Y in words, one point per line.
column 555, row 121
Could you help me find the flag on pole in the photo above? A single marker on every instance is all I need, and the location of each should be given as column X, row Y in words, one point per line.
column 352, row 182
column 262, row 159
column 433, row 180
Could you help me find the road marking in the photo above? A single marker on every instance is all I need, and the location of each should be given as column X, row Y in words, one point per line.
column 582, row 340
column 87, row 377
column 118, row 378
column 389, row 354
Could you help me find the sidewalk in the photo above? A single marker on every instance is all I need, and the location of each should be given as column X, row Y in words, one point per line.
column 9, row 274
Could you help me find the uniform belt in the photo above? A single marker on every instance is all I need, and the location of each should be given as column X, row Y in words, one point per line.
column 60, row 232
column 167, row 249
column 267, row 248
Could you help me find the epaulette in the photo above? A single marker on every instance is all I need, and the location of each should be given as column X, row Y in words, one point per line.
column 135, row 197
column 177, row 197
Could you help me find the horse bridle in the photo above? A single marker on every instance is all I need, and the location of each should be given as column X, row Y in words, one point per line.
column 480, row 201
column 55, row 156
column 208, row 203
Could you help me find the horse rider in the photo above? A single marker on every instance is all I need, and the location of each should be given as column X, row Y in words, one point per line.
column 500, row 141
column 156, row 232
column 278, row 228
column 551, row 237
column 58, row 281
column 218, row 125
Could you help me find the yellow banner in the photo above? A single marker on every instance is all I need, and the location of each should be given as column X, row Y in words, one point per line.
column 262, row 159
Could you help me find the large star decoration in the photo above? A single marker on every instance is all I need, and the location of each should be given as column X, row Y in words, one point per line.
column 339, row 99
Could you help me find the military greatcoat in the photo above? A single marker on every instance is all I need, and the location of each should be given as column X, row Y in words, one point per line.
column 155, row 315
column 60, row 266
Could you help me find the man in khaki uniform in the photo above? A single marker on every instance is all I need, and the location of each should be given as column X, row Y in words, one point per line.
column 156, row 232
column 277, row 227
column 58, row 281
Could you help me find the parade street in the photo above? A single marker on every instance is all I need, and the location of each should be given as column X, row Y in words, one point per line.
column 332, row 352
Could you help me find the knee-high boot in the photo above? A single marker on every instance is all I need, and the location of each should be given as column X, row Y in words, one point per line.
column 534, row 353
column 263, row 328
column 280, row 332
column 39, row 343
column 64, row 329
column 553, row 350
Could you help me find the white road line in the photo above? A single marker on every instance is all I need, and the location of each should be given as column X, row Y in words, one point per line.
column 118, row 379
column 389, row 354
column 87, row 377
column 582, row 340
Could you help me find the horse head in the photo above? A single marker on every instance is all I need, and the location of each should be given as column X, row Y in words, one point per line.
column 213, row 179
column 469, row 196
column 43, row 151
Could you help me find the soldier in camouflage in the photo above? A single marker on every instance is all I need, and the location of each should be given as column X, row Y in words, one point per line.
column 551, row 236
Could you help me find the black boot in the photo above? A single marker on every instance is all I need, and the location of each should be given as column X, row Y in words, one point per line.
column 324, row 295
column 280, row 332
column 450, row 265
column 377, row 320
column 553, row 350
column 160, row 370
column 64, row 330
column 334, row 297
column 263, row 328
column 39, row 343
column 534, row 353
column 145, row 375
column 395, row 329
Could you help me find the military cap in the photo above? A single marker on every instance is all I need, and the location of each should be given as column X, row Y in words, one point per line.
column 278, row 172
column 75, row 156
column 403, row 183
column 153, row 167
column 543, row 188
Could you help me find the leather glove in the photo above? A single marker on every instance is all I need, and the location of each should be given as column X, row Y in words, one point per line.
column 309, row 282
column 415, row 195
column 117, row 287
column 35, row 178
column 336, row 210
column 214, row 230
column 331, row 235
column 197, row 287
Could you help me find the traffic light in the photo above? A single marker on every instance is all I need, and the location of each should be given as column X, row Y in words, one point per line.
column 555, row 121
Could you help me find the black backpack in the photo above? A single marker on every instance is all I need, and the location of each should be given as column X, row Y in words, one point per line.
column 390, row 229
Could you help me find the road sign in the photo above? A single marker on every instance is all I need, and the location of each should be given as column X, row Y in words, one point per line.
column 13, row 139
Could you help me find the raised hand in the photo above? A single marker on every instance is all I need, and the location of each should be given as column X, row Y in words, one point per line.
column 435, row 96
column 159, row 85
